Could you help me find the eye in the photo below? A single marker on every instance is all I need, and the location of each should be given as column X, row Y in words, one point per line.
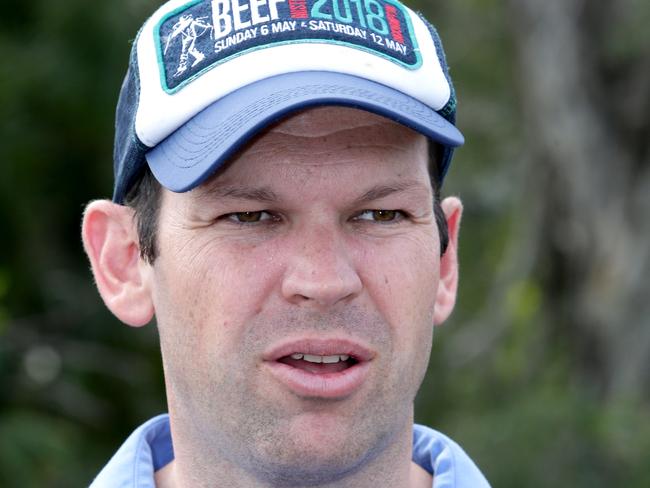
column 250, row 217
column 381, row 215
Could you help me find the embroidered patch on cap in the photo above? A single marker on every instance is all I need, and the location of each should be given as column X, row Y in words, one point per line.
column 204, row 34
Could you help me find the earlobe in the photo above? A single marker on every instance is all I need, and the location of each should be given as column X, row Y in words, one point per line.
column 111, row 243
column 448, row 284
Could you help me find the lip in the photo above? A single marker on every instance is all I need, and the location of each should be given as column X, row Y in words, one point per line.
column 313, row 385
column 319, row 347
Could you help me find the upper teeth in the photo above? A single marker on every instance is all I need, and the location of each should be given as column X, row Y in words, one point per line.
column 321, row 359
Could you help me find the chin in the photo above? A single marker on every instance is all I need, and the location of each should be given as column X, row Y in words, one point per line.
column 309, row 464
column 317, row 450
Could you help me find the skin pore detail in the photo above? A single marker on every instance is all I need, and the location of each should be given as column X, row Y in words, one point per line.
column 342, row 254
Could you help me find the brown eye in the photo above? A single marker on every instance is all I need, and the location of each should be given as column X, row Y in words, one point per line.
column 249, row 217
column 384, row 215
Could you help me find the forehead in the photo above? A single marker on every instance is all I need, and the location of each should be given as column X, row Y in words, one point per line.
column 322, row 121
column 328, row 141
column 347, row 127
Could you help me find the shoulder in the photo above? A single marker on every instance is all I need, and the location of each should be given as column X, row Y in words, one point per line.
column 445, row 459
column 147, row 449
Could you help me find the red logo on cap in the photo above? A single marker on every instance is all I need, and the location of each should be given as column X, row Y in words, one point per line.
column 298, row 9
column 394, row 24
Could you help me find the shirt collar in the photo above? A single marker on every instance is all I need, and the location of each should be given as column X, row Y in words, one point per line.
column 150, row 448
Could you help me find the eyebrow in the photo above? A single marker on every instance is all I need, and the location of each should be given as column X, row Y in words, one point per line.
column 267, row 195
column 242, row 193
column 382, row 191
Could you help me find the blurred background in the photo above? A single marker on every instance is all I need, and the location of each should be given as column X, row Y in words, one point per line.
column 543, row 372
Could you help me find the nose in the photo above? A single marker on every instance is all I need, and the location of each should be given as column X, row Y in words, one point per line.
column 320, row 272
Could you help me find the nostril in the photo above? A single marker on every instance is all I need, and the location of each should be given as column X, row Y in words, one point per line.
column 320, row 290
column 320, row 272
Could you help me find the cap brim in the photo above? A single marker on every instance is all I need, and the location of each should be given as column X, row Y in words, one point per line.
column 200, row 147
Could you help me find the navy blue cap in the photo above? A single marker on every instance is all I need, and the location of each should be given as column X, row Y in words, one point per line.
column 203, row 80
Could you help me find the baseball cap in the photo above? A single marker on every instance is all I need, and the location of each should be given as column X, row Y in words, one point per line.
column 205, row 76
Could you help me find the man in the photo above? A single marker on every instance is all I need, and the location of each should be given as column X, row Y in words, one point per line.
column 276, row 209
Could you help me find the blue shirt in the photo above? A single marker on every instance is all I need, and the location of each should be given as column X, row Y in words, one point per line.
column 149, row 448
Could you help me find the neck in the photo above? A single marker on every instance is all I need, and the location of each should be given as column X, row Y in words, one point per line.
column 392, row 467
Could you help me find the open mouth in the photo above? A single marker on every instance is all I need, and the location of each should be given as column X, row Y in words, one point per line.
column 315, row 368
column 314, row 364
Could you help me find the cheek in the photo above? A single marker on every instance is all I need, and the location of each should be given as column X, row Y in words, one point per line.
column 402, row 280
column 207, row 292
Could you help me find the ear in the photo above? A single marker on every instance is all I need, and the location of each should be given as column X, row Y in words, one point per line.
column 111, row 242
column 448, row 284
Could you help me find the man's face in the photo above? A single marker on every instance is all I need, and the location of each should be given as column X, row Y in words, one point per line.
column 320, row 240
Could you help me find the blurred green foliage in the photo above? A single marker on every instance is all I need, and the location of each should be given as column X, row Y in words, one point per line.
column 75, row 382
